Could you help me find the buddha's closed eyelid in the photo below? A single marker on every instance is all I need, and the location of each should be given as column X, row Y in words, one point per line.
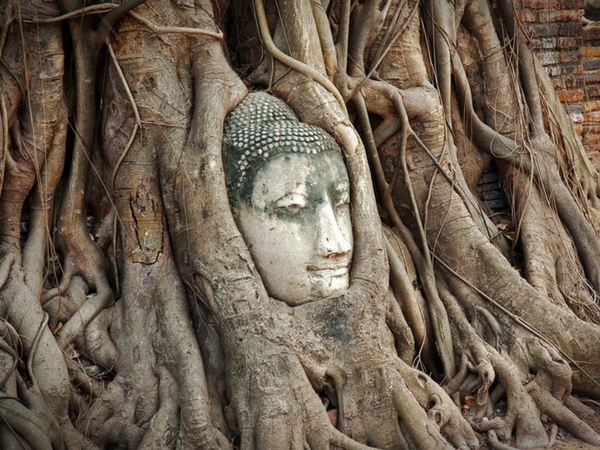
column 291, row 201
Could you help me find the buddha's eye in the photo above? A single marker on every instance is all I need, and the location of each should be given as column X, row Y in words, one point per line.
column 291, row 203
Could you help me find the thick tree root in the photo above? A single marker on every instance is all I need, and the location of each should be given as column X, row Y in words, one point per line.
column 560, row 414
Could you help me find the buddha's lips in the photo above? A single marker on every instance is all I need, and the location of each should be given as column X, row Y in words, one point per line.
column 329, row 270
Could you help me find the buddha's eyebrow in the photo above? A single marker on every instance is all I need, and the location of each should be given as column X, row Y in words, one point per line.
column 281, row 190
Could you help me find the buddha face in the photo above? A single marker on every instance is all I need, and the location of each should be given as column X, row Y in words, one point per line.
column 298, row 226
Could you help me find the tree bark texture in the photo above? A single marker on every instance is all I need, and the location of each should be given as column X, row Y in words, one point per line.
column 133, row 315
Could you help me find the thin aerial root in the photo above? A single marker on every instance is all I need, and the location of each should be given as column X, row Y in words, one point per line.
column 158, row 29
column 553, row 434
column 4, row 137
column 136, row 113
column 382, row 52
column 94, row 9
column 589, row 400
column 437, row 312
column 136, row 127
column 109, row 20
column 80, row 379
column 492, row 322
column 422, row 258
column 292, row 63
column 402, row 286
column 8, row 349
column 579, row 407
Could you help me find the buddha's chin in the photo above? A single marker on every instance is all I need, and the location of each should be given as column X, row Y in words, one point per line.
column 319, row 288
column 329, row 286
column 338, row 284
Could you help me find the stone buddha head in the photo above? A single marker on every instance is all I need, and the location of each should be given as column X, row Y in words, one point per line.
column 290, row 195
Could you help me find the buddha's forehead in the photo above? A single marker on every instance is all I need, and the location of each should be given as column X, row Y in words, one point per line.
column 313, row 176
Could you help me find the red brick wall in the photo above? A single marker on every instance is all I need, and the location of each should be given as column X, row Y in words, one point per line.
column 556, row 31
column 591, row 104
column 568, row 45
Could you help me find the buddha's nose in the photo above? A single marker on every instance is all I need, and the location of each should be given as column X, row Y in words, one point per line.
column 331, row 241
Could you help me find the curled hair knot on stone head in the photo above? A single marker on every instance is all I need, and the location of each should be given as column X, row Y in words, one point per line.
column 262, row 127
